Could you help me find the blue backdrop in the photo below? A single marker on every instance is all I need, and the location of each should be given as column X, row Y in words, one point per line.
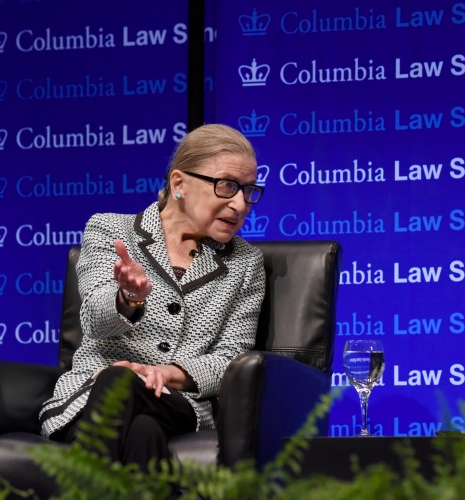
column 356, row 110
column 92, row 104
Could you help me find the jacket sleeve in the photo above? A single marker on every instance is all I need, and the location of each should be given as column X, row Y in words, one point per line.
column 236, row 336
column 98, row 289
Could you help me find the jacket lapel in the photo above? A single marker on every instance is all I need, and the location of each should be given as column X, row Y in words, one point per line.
column 205, row 267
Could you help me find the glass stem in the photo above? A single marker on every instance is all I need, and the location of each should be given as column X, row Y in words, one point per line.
column 364, row 395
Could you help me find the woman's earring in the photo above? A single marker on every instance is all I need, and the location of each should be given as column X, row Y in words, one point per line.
column 178, row 196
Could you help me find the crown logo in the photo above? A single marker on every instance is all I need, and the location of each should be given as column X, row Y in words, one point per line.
column 254, row 24
column 3, row 280
column 3, row 184
column 3, row 86
column 3, row 39
column 254, row 75
column 255, row 227
column 262, row 174
column 3, row 136
column 3, row 231
column 254, row 126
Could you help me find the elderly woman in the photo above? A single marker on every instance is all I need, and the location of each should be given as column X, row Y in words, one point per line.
column 171, row 294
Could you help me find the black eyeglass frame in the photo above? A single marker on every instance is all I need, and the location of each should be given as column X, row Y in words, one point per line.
column 242, row 187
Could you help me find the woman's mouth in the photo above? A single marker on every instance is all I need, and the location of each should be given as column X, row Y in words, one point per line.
column 230, row 223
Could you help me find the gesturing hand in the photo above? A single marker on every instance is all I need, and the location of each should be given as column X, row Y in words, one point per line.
column 130, row 275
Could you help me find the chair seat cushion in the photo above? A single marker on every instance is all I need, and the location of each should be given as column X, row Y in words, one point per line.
column 201, row 447
column 17, row 467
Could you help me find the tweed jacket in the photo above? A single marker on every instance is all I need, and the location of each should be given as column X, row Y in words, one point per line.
column 219, row 295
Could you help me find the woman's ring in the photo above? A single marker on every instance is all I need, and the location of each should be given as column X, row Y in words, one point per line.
column 149, row 373
column 132, row 295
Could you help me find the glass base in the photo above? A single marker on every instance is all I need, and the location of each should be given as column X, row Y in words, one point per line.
column 365, row 434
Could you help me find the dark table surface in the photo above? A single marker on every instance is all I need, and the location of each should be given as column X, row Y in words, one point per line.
column 332, row 456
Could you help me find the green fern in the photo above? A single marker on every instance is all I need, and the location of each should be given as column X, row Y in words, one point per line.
column 84, row 472
column 6, row 489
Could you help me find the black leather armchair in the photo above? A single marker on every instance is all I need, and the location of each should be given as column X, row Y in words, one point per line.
column 265, row 394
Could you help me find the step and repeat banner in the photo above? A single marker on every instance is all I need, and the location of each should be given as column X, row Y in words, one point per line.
column 92, row 104
column 357, row 111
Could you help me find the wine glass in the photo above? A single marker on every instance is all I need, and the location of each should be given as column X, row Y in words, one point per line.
column 363, row 363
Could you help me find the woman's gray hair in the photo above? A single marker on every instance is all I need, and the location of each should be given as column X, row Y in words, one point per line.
column 199, row 146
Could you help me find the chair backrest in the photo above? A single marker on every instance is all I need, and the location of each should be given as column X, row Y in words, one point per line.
column 70, row 328
column 298, row 314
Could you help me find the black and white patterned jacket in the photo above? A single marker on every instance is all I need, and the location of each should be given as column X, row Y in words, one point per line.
column 220, row 297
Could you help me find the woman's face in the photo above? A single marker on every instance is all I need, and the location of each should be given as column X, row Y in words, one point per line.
column 209, row 215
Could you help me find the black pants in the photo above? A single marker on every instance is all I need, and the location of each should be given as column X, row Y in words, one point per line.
column 147, row 422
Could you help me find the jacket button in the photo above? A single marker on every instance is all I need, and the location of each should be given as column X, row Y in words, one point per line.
column 174, row 308
column 164, row 347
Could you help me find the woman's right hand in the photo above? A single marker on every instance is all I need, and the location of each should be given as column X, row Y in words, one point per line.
column 130, row 275
column 159, row 376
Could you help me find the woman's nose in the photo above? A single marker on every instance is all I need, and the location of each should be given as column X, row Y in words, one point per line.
column 238, row 203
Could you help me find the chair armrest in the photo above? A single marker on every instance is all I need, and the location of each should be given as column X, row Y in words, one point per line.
column 23, row 388
column 264, row 398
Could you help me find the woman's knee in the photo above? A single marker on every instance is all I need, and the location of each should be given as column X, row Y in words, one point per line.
column 108, row 377
column 113, row 373
column 146, row 425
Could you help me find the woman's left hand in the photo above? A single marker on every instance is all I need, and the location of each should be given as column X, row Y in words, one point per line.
column 161, row 375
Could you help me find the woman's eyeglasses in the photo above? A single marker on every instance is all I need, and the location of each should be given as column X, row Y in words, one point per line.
column 226, row 188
